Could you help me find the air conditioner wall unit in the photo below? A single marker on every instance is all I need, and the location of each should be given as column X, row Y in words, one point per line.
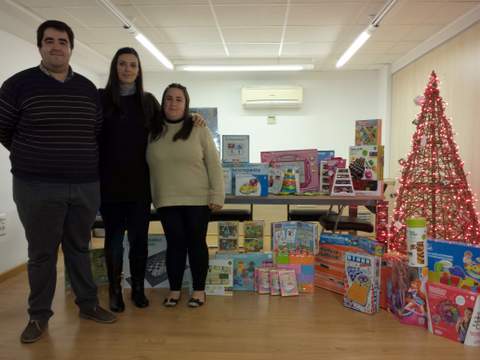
column 272, row 96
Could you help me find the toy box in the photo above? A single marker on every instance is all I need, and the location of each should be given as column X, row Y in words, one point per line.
column 219, row 277
column 293, row 237
column 330, row 260
column 325, row 155
column 305, row 160
column 244, row 268
column 362, row 283
column 330, row 168
column 454, row 264
column 452, row 313
column 366, row 162
column 304, row 270
column 228, row 180
column 262, row 280
column 251, row 169
column 406, row 290
column 156, row 269
column 274, row 282
column 288, row 282
column 251, row 185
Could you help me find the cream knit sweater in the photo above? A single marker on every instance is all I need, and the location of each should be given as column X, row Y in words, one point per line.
column 185, row 172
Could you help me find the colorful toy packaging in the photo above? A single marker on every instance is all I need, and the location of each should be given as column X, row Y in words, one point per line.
column 251, row 185
column 244, row 268
column 454, row 264
column 362, row 284
column 262, row 280
column 330, row 260
column 274, row 282
column 304, row 160
column 454, row 313
column 366, row 162
column 219, row 277
column 406, row 290
column 245, row 169
column 288, row 282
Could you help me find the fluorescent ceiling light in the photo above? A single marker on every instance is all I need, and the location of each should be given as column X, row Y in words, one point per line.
column 277, row 67
column 142, row 39
column 153, row 50
column 357, row 44
column 365, row 35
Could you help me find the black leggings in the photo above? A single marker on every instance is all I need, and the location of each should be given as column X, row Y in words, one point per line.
column 185, row 228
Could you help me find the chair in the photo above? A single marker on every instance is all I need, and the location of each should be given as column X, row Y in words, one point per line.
column 229, row 214
column 305, row 214
column 337, row 222
column 352, row 224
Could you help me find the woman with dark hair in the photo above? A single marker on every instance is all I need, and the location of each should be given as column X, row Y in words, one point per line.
column 187, row 183
column 124, row 177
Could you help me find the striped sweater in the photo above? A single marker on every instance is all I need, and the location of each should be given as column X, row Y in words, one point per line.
column 51, row 127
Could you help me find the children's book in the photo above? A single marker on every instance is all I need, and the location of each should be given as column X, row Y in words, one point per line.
column 455, row 264
column 253, row 235
column 451, row 311
column 228, row 235
column 362, row 284
column 274, row 282
column 368, row 132
column 262, row 280
column 219, row 277
column 288, row 282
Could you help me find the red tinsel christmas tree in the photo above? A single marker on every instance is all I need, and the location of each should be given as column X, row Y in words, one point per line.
column 433, row 184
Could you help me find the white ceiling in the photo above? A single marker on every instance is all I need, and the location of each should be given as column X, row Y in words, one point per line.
column 190, row 31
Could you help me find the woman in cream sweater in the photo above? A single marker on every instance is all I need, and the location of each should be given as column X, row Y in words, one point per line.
column 186, row 180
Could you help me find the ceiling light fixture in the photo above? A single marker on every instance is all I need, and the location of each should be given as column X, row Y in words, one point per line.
column 142, row 39
column 365, row 35
column 225, row 68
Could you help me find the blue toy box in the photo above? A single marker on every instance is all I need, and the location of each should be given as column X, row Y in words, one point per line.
column 454, row 264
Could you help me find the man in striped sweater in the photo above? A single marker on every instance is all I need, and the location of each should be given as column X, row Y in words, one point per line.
column 50, row 118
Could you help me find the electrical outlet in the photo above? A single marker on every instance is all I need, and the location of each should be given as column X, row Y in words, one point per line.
column 3, row 224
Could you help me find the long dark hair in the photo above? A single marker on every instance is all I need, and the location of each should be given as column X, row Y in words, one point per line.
column 112, row 89
column 158, row 124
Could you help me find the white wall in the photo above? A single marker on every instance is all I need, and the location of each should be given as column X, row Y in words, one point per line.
column 332, row 103
column 20, row 55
